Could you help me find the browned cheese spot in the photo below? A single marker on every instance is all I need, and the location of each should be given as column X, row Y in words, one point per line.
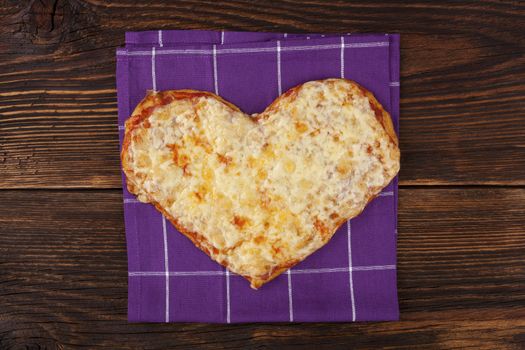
column 343, row 168
column 264, row 199
column 203, row 143
column 321, row 228
column 199, row 196
column 261, row 174
column 224, row 159
column 181, row 160
column 301, row 127
column 259, row 239
column 315, row 132
column 239, row 221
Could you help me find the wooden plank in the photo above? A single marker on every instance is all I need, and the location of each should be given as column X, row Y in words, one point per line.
column 461, row 278
column 463, row 68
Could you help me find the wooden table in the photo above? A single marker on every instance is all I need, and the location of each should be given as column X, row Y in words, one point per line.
column 63, row 273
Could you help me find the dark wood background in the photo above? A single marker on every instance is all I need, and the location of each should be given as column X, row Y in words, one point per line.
column 63, row 277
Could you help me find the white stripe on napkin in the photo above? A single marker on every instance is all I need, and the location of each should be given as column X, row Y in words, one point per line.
column 350, row 277
column 293, row 272
column 166, row 268
column 253, row 50
column 153, row 73
column 160, row 38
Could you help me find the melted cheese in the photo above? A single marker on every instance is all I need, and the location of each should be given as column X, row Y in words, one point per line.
column 268, row 190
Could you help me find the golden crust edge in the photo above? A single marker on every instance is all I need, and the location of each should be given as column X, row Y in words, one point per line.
column 385, row 119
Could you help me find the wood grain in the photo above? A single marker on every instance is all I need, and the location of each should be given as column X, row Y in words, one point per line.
column 461, row 275
column 63, row 262
column 462, row 85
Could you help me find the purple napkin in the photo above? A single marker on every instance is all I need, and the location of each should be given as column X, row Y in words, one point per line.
column 352, row 278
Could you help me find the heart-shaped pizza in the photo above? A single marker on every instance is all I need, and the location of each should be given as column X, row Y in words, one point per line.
column 260, row 193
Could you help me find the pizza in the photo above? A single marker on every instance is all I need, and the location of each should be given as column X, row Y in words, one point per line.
column 260, row 193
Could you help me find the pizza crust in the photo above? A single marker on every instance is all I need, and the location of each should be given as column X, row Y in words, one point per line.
column 136, row 135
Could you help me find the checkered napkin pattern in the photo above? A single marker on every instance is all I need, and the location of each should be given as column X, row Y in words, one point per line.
column 352, row 278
